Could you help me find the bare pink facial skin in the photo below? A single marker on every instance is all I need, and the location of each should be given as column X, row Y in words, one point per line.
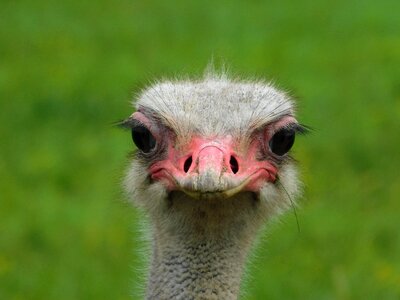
column 212, row 166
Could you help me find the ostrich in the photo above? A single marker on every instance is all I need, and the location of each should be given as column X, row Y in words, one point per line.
column 211, row 167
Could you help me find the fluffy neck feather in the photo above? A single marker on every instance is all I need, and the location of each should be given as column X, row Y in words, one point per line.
column 200, row 247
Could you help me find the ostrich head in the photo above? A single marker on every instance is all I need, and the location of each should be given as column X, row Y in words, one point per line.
column 211, row 167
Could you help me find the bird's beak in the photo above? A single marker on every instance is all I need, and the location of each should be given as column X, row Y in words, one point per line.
column 212, row 169
column 208, row 170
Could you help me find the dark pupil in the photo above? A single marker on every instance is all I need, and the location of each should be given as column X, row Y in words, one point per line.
column 143, row 138
column 282, row 141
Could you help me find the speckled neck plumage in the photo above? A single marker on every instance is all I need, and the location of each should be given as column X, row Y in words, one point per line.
column 200, row 247
column 208, row 270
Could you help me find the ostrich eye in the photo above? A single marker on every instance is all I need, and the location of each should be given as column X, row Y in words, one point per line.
column 143, row 138
column 282, row 141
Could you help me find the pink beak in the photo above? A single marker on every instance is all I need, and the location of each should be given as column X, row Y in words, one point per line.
column 212, row 168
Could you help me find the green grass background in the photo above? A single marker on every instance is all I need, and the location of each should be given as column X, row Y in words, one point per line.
column 68, row 70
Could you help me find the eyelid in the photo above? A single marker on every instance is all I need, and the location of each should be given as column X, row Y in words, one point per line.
column 135, row 123
column 290, row 126
column 298, row 128
column 301, row 129
column 130, row 123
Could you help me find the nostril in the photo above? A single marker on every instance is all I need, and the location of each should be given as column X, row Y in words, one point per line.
column 187, row 164
column 234, row 164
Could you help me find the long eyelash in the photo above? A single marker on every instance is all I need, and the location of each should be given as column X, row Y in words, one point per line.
column 298, row 128
column 302, row 129
column 291, row 203
column 128, row 123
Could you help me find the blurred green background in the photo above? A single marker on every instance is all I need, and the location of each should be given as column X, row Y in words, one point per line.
column 68, row 70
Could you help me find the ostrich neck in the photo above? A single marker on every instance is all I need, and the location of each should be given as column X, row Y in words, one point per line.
column 199, row 249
